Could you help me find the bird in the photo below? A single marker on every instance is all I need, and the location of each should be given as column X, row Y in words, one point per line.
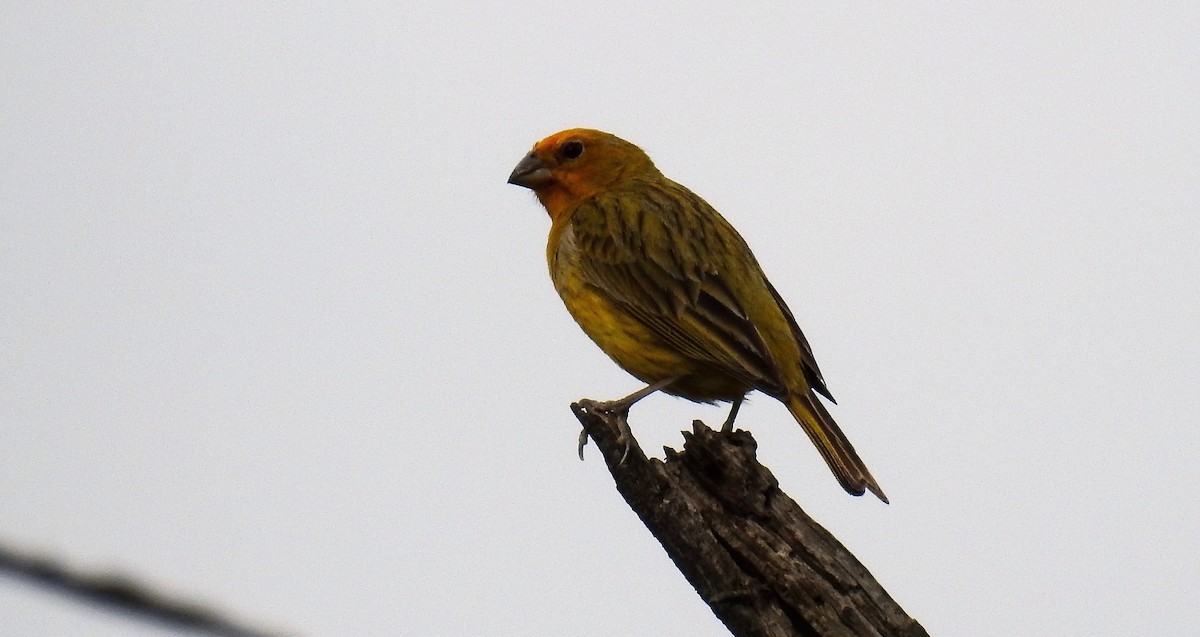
column 670, row 291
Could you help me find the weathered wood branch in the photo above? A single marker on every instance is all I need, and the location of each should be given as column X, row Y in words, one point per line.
column 756, row 558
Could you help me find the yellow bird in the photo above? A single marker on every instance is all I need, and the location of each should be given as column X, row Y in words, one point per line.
column 671, row 292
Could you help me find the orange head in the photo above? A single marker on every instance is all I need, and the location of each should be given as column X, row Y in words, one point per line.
column 572, row 165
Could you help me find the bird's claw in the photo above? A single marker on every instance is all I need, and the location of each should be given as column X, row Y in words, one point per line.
column 625, row 438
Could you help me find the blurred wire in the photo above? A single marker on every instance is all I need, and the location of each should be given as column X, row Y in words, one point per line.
column 118, row 592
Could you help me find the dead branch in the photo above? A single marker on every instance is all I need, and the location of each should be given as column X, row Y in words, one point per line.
column 756, row 558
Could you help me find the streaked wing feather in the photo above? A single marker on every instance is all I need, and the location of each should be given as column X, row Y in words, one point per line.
column 661, row 261
column 808, row 361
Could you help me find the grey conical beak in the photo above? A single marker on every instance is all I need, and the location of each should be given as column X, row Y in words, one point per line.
column 531, row 172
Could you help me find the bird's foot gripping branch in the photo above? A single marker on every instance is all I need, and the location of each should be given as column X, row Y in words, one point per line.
column 618, row 412
column 619, row 417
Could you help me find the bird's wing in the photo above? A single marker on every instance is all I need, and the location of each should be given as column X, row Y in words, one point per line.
column 673, row 263
column 808, row 362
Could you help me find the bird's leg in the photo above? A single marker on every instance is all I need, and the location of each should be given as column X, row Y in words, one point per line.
column 622, row 405
column 619, row 409
column 737, row 404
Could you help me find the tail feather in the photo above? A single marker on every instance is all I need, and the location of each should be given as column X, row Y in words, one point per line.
column 837, row 451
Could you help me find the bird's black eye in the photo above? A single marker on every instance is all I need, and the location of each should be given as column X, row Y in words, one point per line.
column 572, row 149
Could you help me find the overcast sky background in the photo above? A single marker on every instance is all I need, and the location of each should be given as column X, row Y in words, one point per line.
column 276, row 335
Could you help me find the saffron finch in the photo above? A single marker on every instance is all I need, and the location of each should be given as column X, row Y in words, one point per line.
column 671, row 292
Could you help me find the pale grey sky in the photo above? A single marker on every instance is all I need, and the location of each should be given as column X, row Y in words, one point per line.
column 277, row 335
